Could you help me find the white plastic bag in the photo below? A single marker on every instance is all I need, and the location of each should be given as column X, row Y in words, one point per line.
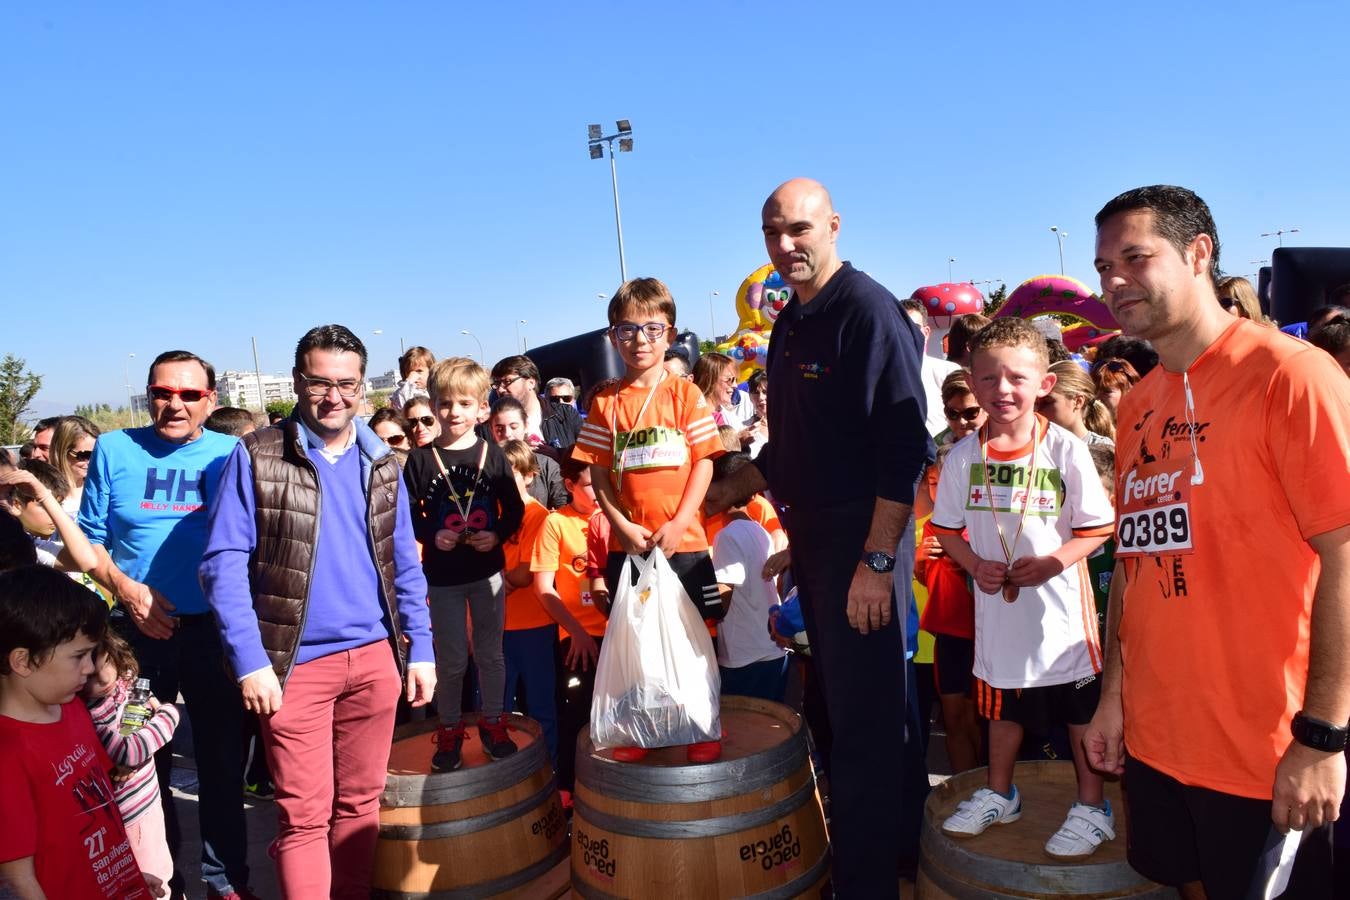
column 656, row 684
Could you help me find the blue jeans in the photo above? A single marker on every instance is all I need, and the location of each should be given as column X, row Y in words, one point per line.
column 529, row 664
column 192, row 662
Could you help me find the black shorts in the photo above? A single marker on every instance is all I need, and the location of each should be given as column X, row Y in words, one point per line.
column 1038, row 709
column 1179, row 833
column 695, row 571
column 953, row 658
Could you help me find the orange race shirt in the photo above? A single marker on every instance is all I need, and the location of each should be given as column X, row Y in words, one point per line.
column 561, row 548
column 651, row 452
column 522, row 604
column 758, row 509
column 1215, row 627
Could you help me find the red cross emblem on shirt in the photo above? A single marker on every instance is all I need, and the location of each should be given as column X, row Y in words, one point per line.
column 975, row 495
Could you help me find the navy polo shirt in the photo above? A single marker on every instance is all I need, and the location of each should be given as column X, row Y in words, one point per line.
column 846, row 401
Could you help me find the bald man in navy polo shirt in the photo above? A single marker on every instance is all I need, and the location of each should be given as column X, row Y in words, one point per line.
column 848, row 442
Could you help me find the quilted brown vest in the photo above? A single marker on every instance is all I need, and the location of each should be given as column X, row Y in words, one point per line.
column 289, row 503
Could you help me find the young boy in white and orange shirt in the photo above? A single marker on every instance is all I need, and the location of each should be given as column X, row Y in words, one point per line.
column 1028, row 496
column 650, row 441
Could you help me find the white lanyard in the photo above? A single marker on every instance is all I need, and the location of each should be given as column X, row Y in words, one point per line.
column 614, row 437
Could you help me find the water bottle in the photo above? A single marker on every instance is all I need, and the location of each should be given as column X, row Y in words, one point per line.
column 137, row 711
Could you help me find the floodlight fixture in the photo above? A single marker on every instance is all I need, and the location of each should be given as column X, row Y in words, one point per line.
column 597, row 140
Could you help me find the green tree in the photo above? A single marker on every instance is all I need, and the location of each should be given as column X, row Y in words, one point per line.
column 283, row 407
column 18, row 387
column 378, row 399
column 995, row 300
column 105, row 416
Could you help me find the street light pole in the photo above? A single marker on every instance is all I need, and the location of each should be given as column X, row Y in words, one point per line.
column 131, row 405
column 257, row 371
column 597, row 142
column 481, row 358
column 712, row 321
column 519, row 342
column 1061, row 235
column 1279, row 233
column 950, row 260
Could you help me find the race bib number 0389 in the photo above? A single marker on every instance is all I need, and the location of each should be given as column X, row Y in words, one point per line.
column 1163, row 529
column 1154, row 500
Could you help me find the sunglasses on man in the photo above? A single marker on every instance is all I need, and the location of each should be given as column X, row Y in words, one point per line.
column 164, row 393
column 560, row 398
column 969, row 414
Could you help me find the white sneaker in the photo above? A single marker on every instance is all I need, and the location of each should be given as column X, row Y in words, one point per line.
column 986, row 808
column 1082, row 832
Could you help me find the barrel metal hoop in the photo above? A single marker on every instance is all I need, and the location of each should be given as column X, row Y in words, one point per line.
column 689, row 784
column 467, row 784
column 484, row 888
column 941, row 856
column 458, row 827
column 693, row 828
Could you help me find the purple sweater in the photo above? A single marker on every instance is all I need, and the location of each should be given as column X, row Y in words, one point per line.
column 345, row 610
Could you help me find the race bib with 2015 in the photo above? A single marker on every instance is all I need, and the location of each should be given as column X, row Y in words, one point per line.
column 1154, row 502
column 656, row 447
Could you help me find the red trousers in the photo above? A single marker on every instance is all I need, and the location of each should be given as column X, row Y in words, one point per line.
column 328, row 748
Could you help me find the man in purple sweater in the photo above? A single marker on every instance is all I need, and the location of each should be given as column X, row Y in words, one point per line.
column 312, row 571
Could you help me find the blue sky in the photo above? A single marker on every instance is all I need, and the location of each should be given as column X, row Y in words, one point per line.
column 194, row 175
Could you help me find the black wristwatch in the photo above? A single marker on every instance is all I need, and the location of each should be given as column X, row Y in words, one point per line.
column 1318, row 734
column 878, row 562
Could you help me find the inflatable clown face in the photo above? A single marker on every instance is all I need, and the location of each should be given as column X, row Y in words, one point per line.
column 760, row 298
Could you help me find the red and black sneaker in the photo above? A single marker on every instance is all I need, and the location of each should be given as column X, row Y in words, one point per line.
column 496, row 742
column 449, row 743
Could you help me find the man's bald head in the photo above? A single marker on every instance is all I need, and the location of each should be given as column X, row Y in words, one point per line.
column 800, row 228
column 800, row 191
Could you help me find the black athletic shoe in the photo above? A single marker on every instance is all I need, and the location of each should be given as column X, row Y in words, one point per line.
column 496, row 742
column 449, row 742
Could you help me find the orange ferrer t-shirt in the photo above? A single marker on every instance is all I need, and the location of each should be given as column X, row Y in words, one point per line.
column 655, row 451
column 522, row 604
column 561, row 548
column 758, row 509
column 1215, row 640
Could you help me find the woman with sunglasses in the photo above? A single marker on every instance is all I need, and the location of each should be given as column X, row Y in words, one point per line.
column 964, row 416
column 1238, row 297
column 390, row 427
column 72, row 448
column 422, row 425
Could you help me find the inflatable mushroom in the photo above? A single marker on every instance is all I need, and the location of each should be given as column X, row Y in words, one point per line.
column 944, row 302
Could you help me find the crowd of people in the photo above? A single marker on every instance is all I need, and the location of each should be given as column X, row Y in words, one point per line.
column 1017, row 540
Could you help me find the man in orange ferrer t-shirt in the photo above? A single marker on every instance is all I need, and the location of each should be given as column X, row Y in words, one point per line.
column 1226, row 667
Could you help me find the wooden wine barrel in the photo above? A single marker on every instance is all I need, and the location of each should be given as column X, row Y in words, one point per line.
column 1009, row 861
column 748, row 825
column 492, row 828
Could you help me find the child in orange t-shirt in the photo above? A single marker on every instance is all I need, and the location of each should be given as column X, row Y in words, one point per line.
column 558, row 562
column 650, row 441
column 530, row 634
